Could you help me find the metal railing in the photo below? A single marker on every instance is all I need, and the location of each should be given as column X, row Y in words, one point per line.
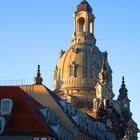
column 13, row 82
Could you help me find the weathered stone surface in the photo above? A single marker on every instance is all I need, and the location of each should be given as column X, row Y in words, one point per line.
column 77, row 70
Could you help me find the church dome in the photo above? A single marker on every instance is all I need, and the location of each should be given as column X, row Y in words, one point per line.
column 76, row 72
column 79, row 67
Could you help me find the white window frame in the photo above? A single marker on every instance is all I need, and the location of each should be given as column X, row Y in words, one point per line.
column 10, row 106
column 3, row 124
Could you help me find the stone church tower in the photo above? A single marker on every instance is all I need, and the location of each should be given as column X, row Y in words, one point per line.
column 76, row 72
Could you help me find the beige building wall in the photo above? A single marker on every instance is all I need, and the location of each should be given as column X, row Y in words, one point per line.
column 41, row 95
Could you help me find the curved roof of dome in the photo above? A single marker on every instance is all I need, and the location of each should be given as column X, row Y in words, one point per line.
column 88, row 60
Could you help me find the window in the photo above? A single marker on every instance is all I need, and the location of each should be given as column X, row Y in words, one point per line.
column 72, row 71
column 2, row 124
column 36, row 138
column 43, row 138
column 81, row 25
column 91, row 27
column 78, row 40
column 6, row 106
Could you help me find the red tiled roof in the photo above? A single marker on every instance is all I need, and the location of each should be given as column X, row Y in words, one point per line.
column 25, row 116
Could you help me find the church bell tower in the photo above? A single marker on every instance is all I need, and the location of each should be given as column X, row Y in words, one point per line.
column 83, row 24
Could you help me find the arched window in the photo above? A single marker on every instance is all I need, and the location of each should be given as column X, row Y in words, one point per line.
column 72, row 71
column 91, row 27
column 81, row 24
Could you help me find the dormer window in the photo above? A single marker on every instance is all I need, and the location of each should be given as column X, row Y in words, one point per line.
column 6, row 106
column 50, row 116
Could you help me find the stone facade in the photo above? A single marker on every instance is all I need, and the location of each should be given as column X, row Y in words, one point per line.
column 76, row 72
column 83, row 78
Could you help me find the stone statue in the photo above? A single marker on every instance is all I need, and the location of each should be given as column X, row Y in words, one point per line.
column 103, row 87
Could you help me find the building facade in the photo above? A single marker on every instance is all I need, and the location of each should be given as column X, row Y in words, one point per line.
column 33, row 112
column 82, row 105
column 83, row 77
column 76, row 72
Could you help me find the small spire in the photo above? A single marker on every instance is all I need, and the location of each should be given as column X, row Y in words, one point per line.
column 123, row 90
column 123, row 96
column 38, row 70
column 123, row 82
column 38, row 79
column 123, row 86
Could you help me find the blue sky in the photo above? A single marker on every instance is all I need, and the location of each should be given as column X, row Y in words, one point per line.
column 33, row 31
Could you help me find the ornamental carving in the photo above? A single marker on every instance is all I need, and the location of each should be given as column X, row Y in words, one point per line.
column 104, row 91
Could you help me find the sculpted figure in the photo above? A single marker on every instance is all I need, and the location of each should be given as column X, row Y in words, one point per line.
column 104, row 88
